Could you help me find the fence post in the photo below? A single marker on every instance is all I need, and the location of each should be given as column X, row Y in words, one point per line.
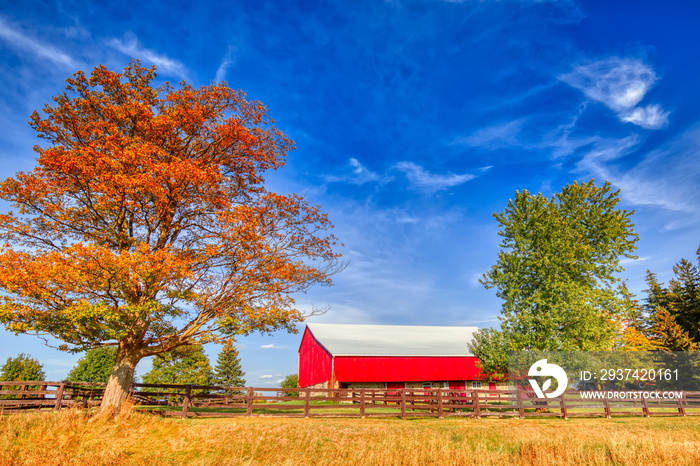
column 439, row 396
column 186, row 401
column 606, row 405
column 307, row 403
column 362, row 403
column 403, row 403
column 521, row 408
column 475, row 401
column 562, row 405
column 645, row 407
column 249, row 407
column 59, row 395
column 681, row 407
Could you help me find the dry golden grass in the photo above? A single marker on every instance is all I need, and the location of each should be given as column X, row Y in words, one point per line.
column 70, row 438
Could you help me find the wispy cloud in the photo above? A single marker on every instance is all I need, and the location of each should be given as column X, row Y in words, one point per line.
column 22, row 42
column 265, row 376
column 354, row 173
column 494, row 137
column 641, row 184
column 425, row 181
column 273, row 346
column 130, row 46
column 228, row 61
column 619, row 84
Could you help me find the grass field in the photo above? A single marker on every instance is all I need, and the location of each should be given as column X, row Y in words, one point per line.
column 69, row 437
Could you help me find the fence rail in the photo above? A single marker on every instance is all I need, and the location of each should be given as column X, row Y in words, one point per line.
column 211, row 401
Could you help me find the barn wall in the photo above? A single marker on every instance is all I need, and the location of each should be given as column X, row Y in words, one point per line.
column 404, row 369
column 315, row 363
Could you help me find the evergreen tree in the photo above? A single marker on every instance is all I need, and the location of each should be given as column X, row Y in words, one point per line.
column 670, row 334
column 652, row 327
column 227, row 372
column 681, row 300
column 95, row 366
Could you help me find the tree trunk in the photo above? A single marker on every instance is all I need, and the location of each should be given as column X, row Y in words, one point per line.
column 120, row 380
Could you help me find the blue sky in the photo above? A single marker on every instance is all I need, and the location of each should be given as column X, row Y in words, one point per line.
column 414, row 121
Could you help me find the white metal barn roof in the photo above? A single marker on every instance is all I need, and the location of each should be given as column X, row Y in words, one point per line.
column 393, row 340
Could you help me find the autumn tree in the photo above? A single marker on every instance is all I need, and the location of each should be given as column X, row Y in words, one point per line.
column 556, row 270
column 227, row 371
column 95, row 366
column 146, row 224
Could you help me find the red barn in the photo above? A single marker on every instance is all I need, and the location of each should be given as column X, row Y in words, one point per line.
column 387, row 356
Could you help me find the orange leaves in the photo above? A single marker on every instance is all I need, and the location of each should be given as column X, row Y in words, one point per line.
column 147, row 219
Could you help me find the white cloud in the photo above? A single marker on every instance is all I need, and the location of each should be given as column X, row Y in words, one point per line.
column 22, row 42
column 130, row 45
column 619, row 84
column 425, row 181
column 355, row 173
column 265, row 376
column 228, row 61
column 273, row 346
column 474, row 279
column 649, row 117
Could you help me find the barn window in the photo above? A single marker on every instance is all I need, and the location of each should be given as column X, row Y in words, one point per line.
column 476, row 385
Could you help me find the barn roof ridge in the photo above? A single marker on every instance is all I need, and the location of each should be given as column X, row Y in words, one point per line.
column 392, row 340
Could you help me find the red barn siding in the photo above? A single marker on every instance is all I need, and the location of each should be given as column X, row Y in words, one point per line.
column 315, row 363
column 403, row 368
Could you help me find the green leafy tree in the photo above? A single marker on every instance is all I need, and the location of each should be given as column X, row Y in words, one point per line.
column 20, row 368
column 228, row 372
column 291, row 381
column 491, row 347
column 186, row 365
column 556, row 271
column 95, row 366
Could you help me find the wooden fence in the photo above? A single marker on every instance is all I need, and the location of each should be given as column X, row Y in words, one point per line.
column 209, row 401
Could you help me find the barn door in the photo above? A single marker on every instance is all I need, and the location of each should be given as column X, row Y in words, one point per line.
column 394, row 385
column 459, row 385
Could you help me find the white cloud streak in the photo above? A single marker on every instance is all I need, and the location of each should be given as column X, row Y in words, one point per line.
column 619, row 84
column 665, row 178
column 22, row 42
column 130, row 46
column 355, row 173
column 425, row 181
column 228, row 61
column 494, row 137
column 273, row 346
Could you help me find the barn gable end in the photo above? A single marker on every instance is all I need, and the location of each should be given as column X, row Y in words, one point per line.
column 315, row 362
